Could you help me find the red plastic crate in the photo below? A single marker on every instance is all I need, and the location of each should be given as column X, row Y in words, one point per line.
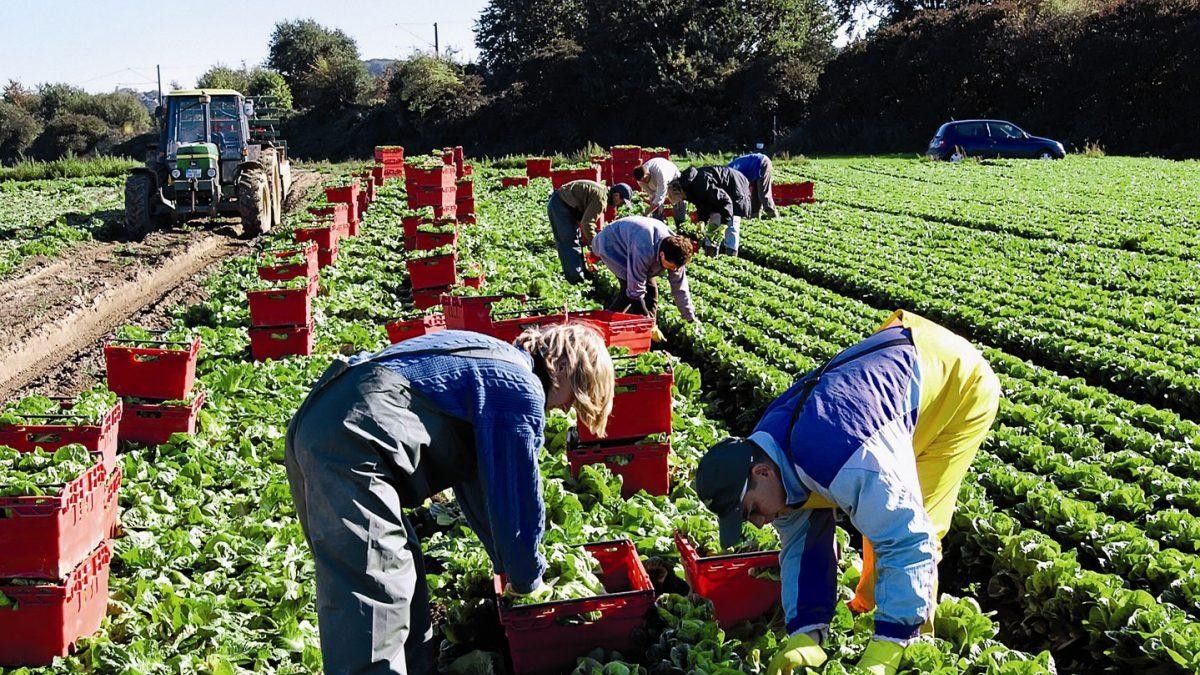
column 47, row 620
column 508, row 329
column 560, row 177
column 284, row 272
column 151, row 372
column 606, row 171
column 467, row 219
column 542, row 638
column 435, row 197
column 628, row 153
column 618, row 329
column 622, row 172
column 389, row 154
column 472, row 312
column 440, row 178
column 412, row 223
column 280, row 342
column 788, row 194
column 343, row 194
column 427, row 241
column 641, row 407
column 327, row 256
column 538, row 167
column 323, row 233
column 726, row 580
column 46, row 537
column 647, row 155
column 465, row 207
column 641, row 467
column 434, row 271
column 474, row 281
column 339, row 213
column 377, row 174
column 514, row 181
column 464, row 189
column 425, row 298
column 399, row 331
column 112, row 506
column 153, row 423
column 279, row 307
column 101, row 438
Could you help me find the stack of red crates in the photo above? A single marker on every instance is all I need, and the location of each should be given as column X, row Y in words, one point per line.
column 331, row 224
column 281, row 321
column 157, row 387
column 58, row 546
column 560, row 177
column 432, row 187
column 464, row 200
column 625, row 158
column 514, row 181
column 631, row 447
column 347, row 194
column 389, row 163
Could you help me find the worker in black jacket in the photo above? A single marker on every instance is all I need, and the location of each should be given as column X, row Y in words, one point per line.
column 722, row 199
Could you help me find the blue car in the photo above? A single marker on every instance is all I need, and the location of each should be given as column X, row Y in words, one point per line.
column 991, row 138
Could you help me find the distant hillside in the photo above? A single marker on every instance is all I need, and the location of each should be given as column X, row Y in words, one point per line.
column 377, row 67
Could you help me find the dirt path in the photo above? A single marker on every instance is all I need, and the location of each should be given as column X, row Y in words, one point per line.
column 57, row 316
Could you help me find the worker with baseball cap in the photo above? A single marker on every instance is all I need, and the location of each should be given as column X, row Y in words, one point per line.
column 574, row 210
column 885, row 431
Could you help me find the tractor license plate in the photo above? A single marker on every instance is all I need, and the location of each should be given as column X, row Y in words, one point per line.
column 192, row 173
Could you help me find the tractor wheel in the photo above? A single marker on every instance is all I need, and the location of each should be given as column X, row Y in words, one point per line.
column 138, row 221
column 254, row 202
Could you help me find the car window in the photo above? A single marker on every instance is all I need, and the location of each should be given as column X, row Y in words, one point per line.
column 1005, row 130
column 972, row 130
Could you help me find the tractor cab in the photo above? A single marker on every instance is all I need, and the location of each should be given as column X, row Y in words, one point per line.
column 211, row 160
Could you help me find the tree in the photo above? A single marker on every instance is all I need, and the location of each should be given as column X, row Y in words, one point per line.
column 509, row 32
column 18, row 129
column 71, row 133
column 223, row 77
column 298, row 48
column 334, row 84
column 18, row 95
column 432, row 88
column 57, row 98
column 265, row 82
column 122, row 111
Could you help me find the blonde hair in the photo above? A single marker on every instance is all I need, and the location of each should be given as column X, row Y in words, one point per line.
column 580, row 350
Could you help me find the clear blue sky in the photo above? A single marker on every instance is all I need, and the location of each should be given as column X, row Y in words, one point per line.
column 102, row 44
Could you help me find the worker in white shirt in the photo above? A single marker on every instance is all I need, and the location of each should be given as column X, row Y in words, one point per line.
column 653, row 178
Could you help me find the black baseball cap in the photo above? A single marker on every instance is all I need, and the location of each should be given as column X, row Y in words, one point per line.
column 721, row 481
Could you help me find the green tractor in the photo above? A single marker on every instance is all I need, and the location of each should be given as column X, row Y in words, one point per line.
column 216, row 155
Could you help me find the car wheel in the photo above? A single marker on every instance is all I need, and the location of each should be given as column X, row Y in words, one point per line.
column 1046, row 154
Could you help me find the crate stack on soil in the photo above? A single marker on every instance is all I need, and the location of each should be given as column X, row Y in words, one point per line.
column 154, row 373
column 389, row 163
column 464, row 200
column 329, row 225
column 625, row 158
column 432, row 261
column 281, row 320
column 347, row 192
column 60, row 481
column 637, row 441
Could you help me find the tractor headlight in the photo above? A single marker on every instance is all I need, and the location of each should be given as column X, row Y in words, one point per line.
column 212, row 172
column 175, row 173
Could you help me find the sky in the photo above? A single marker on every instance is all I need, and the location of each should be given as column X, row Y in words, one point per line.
column 104, row 44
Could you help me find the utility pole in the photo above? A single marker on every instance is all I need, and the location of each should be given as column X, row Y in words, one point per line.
column 437, row 52
column 158, row 69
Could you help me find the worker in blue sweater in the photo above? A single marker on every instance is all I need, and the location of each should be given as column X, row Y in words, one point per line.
column 885, row 431
column 383, row 432
column 757, row 169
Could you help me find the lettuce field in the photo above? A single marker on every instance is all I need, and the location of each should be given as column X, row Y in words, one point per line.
column 1076, row 544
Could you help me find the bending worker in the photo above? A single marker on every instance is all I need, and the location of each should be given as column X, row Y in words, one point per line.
column 653, row 177
column 722, row 198
column 884, row 431
column 757, row 169
column 573, row 210
column 383, row 432
column 637, row 249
